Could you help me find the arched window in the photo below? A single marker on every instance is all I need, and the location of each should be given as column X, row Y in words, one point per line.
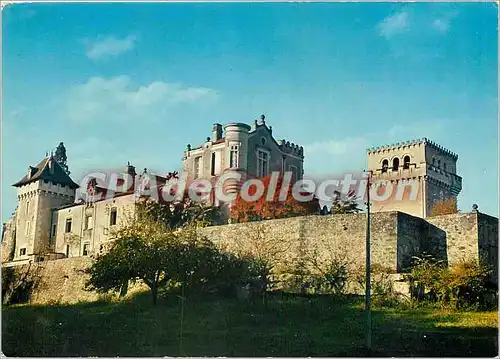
column 433, row 161
column 444, row 167
column 406, row 162
column 385, row 166
column 395, row 164
column 439, row 164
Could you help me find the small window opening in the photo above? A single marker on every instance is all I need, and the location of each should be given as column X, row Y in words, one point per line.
column 395, row 164
column 86, row 247
column 385, row 166
column 112, row 217
column 212, row 170
column 88, row 222
column 68, row 225
column 406, row 162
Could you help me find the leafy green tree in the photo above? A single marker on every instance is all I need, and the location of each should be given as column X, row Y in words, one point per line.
column 61, row 158
column 179, row 214
column 143, row 251
column 159, row 245
column 344, row 203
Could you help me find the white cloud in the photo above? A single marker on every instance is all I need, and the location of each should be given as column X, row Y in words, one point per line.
column 394, row 24
column 336, row 147
column 335, row 156
column 414, row 130
column 118, row 99
column 441, row 25
column 109, row 46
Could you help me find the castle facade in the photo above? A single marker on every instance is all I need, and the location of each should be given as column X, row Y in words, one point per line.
column 50, row 223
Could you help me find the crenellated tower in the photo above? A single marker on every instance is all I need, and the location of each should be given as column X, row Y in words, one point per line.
column 420, row 172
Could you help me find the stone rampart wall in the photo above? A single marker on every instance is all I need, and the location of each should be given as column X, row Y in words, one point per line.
column 311, row 242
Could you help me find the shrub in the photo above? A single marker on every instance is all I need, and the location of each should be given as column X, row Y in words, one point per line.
column 250, row 211
column 382, row 290
column 462, row 285
column 330, row 280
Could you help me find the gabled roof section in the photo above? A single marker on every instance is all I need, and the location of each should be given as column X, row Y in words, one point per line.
column 48, row 169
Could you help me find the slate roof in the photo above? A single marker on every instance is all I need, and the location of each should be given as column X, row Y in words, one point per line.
column 43, row 171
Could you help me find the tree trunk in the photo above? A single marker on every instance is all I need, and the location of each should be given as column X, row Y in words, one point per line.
column 154, row 293
column 124, row 288
column 154, row 288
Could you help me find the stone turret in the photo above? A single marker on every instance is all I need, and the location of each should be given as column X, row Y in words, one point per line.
column 236, row 139
column 43, row 188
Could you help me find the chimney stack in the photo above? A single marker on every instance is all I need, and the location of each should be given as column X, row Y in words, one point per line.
column 130, row 170
column 217, row 131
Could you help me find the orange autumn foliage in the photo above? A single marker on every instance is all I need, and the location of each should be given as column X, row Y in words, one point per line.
column 244, row 211
column 448, row 206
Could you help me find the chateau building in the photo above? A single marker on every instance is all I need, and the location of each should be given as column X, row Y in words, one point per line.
column 252, row 152
column 49, row 223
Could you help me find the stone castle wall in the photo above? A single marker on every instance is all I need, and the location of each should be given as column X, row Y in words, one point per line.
column 313, row 241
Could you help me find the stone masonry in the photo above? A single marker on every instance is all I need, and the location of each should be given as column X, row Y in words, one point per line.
column 293, row 242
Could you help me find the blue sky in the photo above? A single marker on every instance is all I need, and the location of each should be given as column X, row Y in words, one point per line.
column 136, row 82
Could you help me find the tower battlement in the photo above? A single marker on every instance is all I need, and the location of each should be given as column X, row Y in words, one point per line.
column 290, row 147
column 412, row 143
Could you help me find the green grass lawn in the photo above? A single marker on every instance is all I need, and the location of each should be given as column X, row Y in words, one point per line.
column 210, row 326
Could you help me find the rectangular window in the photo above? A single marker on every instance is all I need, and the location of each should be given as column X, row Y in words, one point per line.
column 262, row 163
column 54, row 230
column 233, row 157
column 218, row 162
column 197, row 167
column 89, row 222
column 67, row 250
column 86, row 247
column 68, row 225
column 112, row 217
column 22, row 252
column 212, row 165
